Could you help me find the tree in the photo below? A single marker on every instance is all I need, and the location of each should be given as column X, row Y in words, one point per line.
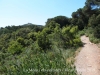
column 80, row 24
column 97, row 31
column 90, row 8
column 74, row 21
column 79, row 19
column 75, row 15
column 62, row 20
column 98, row 19
column 92, row 21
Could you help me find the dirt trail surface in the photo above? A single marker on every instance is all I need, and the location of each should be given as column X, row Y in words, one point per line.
column 88, row 60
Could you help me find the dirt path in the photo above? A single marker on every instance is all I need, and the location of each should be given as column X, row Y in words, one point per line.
column 88, row 60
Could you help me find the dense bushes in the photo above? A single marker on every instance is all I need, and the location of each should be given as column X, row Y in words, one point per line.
column 97, row 31
column 38, row 50
column 24, row 37
column 49, row 63
column 69, row 34
column 43, row 41
column 61, row 20
column 15, row 47
column 28, row 47
column 89, row 32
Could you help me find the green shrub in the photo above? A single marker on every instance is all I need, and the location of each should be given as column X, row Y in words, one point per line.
column 80, row 33
column 15, row 48
column 94, row 40
column 77, row 42
column 21, row 41
column 43, row 41
column 97, row 31
column 42, row 64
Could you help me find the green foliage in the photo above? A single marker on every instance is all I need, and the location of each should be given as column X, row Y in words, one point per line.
column 50, row 63
column 51, row 26
column 27, row 47
column 80, row 24
column 89, row 32
column 80, row 33
column 98, row 19
column 70, row 31
column 21, row 41
column 65, row 30
column 43, row 41
column 48, row 30
column 69, row 36
column 92, row 21
column 75, row 15
column 39, row 50
column 74, row 21
column 77, row 42
column 79, row 19
column 73, row 30
column 32, row 35
column 61, row 20
column 94, row 40
column 97, row 31
column 15, row 47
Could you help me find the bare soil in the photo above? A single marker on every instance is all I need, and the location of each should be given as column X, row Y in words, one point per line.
column 87, row 61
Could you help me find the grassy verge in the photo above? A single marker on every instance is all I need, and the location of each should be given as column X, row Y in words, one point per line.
column 89, row 33
column 56, row 62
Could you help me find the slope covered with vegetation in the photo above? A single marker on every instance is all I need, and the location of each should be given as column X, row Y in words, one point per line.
column 36, row 47
column 42, row 50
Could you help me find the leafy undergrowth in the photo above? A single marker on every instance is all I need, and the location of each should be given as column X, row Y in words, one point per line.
column 49, row 63
column 49, row 51
column 89, row 32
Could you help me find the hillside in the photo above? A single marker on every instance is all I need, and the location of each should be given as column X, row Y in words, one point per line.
column 48, row 50
column 32, row 44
